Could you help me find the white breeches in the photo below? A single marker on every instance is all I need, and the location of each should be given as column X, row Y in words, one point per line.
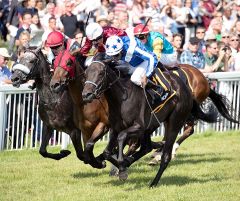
column 169, row 60
column 139, row 72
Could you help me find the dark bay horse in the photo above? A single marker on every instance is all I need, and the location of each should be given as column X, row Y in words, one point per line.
column 92, row 118
column 131, row 116
column 55, row 110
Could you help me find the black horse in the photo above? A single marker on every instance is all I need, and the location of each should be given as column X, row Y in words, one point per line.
column 55, row 109
column 131, row 116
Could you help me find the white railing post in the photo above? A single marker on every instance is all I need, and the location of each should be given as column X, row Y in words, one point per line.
column 2, row 120
column 65, row 139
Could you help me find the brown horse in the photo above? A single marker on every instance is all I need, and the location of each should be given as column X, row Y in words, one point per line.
column 201, row 91
column 92, row 118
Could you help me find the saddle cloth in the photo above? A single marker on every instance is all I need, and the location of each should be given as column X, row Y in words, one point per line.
column 159, row 79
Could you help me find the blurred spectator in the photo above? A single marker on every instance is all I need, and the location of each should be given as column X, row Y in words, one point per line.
column 123, row 18
column 69, row 20
column 192, row 56
column 237, row 28
column 102, row 20
column 200, row 34
column 137, row 12
column 103, row 9
column 36, row 31
column 179, row 16
column 215, row 58
column 229, row 19
column 177, row 44
column 215, row 28
column 50, row 13
column 13, row 22
column 24, row 39
column 31, row 7
column 27, row 21
column 234, row 45
column 190, row 21
column 4, row 11
column 52, row 26
column 5, row 74
column 166, row 18
column 207, row 9
column 79, row 37
column 41, row 8
column 153, row 12
column 225, row 37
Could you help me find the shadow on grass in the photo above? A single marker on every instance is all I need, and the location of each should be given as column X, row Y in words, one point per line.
column 143, row 182
column 144, row 171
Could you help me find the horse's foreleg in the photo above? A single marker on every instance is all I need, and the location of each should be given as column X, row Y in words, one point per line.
column 172, row 127
column 77, row 143
column 46, row 135
column 122, row 137
column 98, row 133
column 146, row 147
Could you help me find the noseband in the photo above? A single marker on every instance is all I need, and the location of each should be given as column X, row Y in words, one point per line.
column 99, row 89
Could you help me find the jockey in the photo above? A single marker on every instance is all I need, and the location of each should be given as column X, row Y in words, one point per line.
column 157, row 43
column 97, row 36
column 58, row 42
column 142, row 62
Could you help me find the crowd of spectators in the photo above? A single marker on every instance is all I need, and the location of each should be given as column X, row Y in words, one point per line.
column 205, row 33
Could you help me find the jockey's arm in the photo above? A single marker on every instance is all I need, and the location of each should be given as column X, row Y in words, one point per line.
column 157, row 47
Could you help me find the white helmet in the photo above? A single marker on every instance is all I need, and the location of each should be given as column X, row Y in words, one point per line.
column 113, row 45
column 93, row 31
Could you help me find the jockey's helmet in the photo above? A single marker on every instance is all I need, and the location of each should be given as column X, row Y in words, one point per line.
column 55, row 38
column 114, row 45
column 141, row 29
column 94, row 31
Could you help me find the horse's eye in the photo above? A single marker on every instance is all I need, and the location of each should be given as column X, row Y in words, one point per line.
column 31, row 61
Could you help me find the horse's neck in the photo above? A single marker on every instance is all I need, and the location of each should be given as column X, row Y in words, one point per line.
column 43, row 84
column 76, row 85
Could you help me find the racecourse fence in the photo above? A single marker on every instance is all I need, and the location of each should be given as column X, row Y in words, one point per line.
column 21, row 127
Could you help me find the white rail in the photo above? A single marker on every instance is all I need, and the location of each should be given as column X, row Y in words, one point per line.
column 20, row 126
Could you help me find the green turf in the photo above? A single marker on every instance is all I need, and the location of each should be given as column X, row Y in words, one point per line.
column 207, row 167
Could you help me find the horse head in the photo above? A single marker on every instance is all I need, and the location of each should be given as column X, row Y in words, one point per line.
column 26, row 68
column 96, row 83
column 64, row 71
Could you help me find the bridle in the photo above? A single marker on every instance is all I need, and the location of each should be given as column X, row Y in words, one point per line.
column 99, row 88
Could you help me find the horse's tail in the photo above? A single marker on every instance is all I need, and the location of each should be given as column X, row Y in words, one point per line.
column 222, row 104
column 209, row 117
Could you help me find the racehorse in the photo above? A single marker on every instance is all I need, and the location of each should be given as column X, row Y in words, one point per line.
column 92, row 118
column 201, row 91
column 130, row 114
column 55, row 110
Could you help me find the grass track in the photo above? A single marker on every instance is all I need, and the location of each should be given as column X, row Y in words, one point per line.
column 207, row 168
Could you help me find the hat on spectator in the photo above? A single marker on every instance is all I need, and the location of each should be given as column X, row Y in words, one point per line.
column 102, row 18
column 194, row 40
column 4, row 52
column 210, row 36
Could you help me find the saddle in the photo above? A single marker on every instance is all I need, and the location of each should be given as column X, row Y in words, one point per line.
column 160, row 90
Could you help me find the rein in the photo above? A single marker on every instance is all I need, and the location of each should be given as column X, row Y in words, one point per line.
column 98, row 90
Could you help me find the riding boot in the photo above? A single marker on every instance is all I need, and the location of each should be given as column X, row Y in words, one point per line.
column 155, row 91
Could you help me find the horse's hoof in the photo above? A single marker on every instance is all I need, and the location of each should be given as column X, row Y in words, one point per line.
column 65, row 152
column 114, row 173
column 123, row 175
column 104, row 164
